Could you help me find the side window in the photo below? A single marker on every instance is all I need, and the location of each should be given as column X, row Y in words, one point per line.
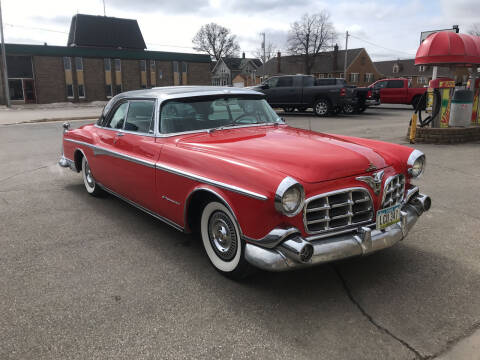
column 272, row 82
column 116, row 121
column 380, row 85
column 308, row 81
column 395, row 84
column 286, row 81
column 140, row 116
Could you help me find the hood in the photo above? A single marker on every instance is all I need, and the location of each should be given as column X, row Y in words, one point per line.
column 303, row 155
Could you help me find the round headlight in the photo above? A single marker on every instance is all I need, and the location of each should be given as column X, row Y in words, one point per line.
column 289, row 197
column 416, row 163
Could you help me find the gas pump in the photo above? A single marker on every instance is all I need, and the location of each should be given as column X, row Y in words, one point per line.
column 444, row 88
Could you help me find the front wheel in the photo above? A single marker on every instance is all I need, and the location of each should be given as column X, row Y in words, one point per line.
column 348, row 109
column 222, row 241
column 90, row 184
column 288, row 109
column 321, row 107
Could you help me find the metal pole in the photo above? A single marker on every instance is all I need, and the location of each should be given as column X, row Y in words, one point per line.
column 104, row 12
column 346, row 51
column 4, row 61
column 263, row 46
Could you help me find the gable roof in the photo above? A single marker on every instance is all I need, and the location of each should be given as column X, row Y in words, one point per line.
column 237, row 64
column 105, row 32
column 407, row 68
column 324, row 63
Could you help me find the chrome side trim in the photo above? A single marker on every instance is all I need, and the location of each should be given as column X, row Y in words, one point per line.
column 102, row 151
column 140, row 207
column 208, row 181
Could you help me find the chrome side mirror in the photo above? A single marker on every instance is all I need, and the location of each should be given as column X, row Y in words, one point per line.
column 66, row 127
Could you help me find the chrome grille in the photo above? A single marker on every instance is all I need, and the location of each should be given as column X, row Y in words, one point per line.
column 393, row 191
column 337, row 210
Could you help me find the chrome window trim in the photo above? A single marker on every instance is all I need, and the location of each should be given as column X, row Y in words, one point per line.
column 350, row 226
column 102, row 151
column 160, row 135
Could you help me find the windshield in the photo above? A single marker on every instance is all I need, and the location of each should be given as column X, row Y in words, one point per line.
column 203, row 114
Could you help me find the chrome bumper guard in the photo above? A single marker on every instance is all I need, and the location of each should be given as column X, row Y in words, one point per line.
column 362, row 242
column 67, row 163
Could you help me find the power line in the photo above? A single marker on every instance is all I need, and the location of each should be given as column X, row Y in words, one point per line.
column 36, row 28
column 380, row 46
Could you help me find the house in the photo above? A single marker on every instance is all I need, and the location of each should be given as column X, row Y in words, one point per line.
column 104, row 56
column 329, row 64
column 237, row 72
column 419, row 76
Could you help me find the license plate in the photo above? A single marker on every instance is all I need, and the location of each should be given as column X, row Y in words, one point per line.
column 388, row 216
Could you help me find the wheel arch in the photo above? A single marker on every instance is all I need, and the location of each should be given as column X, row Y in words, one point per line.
column 78, row 154
column 195, row 203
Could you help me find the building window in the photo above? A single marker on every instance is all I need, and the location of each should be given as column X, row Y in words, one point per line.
column 354, row 77
column 143, row 65
column 184, row 73
column 78, row 63
column 118, row 89
column 395, row 69
column 67, row 63
column 368, row 77
column 108, row 64
column 342, row 76
column 160, row 74
column 81, row 91
column 422, row 80
column 118, row 65
column 176, row 73
column 153, row 73
column 108, row 90
column 70, row 91
column 422, row 68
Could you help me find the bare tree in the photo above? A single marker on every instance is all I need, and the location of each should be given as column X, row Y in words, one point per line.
column 216, row 41
column 311, row 35
column 269, row 52
column 475, row 29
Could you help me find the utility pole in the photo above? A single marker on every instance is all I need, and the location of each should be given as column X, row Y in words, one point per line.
column 263, row 47
column 4, row 61
column 104, row 12
column 346, row 51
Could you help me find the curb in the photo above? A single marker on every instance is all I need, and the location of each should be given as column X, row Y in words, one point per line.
column 52, row 120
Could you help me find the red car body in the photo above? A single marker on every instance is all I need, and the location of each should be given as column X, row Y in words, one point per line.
column 397, row 91
column 244, row 167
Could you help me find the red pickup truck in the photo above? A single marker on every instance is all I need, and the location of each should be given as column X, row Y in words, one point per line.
column 396, row 91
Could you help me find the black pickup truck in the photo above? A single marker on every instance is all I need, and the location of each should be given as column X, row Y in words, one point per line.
column 302, row 92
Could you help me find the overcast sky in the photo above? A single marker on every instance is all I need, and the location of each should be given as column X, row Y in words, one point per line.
column 388, row 29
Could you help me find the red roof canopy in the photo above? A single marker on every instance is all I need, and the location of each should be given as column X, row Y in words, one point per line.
column 446, row 47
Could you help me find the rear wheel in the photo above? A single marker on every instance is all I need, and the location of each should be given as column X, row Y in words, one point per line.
column 90, row 184
column 321, row 107
column 348, row 109
column 222, row 241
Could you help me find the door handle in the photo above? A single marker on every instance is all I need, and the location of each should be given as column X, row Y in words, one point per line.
column 120, row 134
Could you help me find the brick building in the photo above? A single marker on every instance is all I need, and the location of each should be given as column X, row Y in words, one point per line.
column 419, row 76
column 104, row 56
column 361, row 71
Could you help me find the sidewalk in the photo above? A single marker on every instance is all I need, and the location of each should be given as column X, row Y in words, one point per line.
column 50, row 112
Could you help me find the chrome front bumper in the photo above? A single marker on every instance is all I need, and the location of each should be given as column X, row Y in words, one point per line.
column 361, row 242
column 67, row 163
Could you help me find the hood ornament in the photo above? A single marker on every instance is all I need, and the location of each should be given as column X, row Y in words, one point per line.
column 374, row 181
column 371, row 167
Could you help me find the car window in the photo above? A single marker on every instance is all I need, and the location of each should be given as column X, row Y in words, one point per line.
column 185, row 115
column 395, row 84
column 308, row 81
column 116, row 121
column 325, row 82
column 380, row 85
column 272, row 82
column 285, row 81
column 140, row 116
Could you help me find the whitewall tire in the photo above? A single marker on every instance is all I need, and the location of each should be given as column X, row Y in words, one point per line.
column 222, row 241
column 88, row 179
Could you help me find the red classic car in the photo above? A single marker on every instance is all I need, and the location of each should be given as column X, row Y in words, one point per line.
column 220, row 162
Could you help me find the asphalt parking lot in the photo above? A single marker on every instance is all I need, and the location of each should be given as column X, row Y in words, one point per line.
column 85, row 278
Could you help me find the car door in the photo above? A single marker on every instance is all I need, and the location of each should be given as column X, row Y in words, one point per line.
column 377, row 89
column 270, row 90
column 105, row 163
column 286, row 92
column 394, row 92
column 138, row 152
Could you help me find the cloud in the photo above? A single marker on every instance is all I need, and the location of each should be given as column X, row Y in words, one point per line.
column 63, row 21
column 166, row 7
column 267, row 5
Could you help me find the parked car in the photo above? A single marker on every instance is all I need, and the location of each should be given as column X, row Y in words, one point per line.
column 302, row 92
column 220, row 162
column 396, row 91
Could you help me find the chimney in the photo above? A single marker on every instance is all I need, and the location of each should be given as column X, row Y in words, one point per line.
column 335, row 57
column 279, row 57
column 243, row 55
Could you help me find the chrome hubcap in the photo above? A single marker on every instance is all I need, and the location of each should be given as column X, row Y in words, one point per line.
column 88, row 176
column 222, row 236
column 321, row 108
